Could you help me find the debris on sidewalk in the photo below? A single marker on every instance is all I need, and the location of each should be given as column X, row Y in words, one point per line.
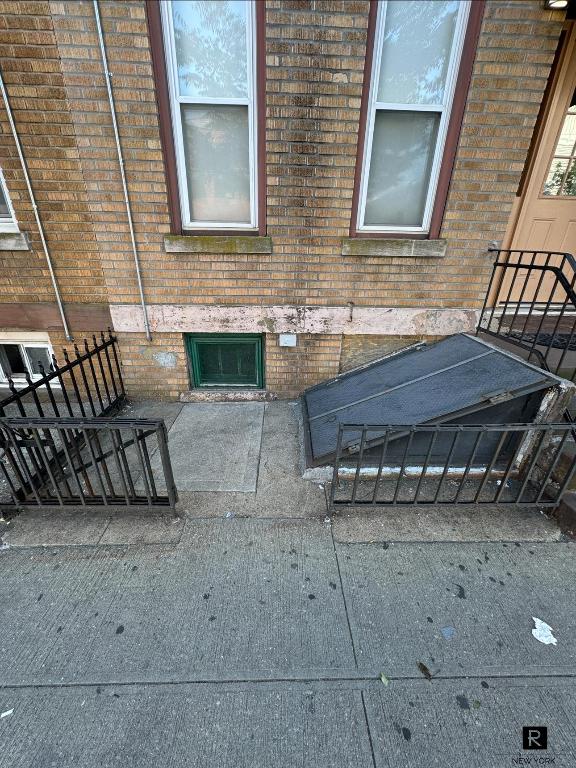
column 384, row 679
column 543, row 632
column 448, row 633
column 425, row 671
column 7, row 713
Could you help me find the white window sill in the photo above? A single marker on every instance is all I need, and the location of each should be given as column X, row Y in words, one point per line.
column 13, row 241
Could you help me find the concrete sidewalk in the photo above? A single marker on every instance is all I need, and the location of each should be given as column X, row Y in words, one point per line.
column 254, row 632
column 259, row 642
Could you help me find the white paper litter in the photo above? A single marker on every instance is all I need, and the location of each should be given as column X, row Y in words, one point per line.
column 543, row 632
column 5, row 714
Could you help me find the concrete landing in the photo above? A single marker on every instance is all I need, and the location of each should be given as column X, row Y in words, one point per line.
column 216, row 446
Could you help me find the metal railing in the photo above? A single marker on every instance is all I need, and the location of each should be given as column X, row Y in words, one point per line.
column 89, row 383
column 86, row 462
column 58, row 446
column 531, row 304
column 420, row 465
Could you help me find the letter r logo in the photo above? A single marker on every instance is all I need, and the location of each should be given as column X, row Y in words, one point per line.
column 535, row 737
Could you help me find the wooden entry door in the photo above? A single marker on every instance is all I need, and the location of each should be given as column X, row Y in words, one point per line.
column 546, row 218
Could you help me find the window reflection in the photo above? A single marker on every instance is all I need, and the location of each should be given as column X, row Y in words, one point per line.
column 561, row 179
column 416, row 51
column 210, row 42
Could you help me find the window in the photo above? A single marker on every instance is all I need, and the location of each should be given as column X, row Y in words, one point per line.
column 561, row 179
column 225, row 360
column 19, row 358
column 211, row 71
column 415, row 65
column 8, row 221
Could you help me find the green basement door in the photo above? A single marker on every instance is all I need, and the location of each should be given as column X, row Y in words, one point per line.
column 225, row 360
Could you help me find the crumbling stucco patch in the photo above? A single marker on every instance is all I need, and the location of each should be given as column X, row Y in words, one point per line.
column 165, row 359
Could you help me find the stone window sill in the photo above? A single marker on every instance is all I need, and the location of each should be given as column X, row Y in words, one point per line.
column 219, row 244
column 226, row 396
column 14, row 241
column 394, row 247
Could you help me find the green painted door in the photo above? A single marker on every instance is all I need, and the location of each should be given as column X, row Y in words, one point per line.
column 225, row 360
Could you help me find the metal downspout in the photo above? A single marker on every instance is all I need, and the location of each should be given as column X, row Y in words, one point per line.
column 35, row 208
column 108, row 76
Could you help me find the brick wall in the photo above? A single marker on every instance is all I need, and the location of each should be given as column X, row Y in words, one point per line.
column 362, row 349
column 314, row 70
column 31, row 67
column 290, row 370
column 154, row 369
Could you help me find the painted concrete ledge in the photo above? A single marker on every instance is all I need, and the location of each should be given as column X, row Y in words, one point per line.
column 14, row 241
column 209, row 318
column 394, row 247
column 220, row 244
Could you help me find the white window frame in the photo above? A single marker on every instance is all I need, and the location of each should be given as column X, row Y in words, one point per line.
column 22, row 342
column 444, row 109
column 176, row 100
column 5, row 225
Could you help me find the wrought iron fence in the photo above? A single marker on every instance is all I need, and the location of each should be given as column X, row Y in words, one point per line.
column 86, row 462
column 88, row 383
column 531, row 304
column 59, row 448
column 420, row 465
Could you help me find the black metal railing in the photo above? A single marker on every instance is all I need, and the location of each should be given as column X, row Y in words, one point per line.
column 58, row 446
column 531, row 304
column 87, row 383
column 86, row 462
column 519, row 464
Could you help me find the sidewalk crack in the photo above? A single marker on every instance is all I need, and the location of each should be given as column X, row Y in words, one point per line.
column 343, row 596
column 368, row 729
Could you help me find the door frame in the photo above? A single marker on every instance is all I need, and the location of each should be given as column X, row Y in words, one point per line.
column 552, row 102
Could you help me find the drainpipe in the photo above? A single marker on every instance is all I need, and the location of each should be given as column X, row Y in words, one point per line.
column 35, row 208
column 108, row 75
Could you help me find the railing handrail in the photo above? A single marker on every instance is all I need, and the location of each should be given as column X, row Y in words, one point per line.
column 556, row 270
column 443, row 427
column 85, row 461
column 71, row 422
column 517, row 463
column 535, row 315
column 545, row 268
column 520, row 267
column 568, row 256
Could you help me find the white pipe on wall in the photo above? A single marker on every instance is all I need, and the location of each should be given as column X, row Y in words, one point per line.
column 108, row 76
column 34, row 207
